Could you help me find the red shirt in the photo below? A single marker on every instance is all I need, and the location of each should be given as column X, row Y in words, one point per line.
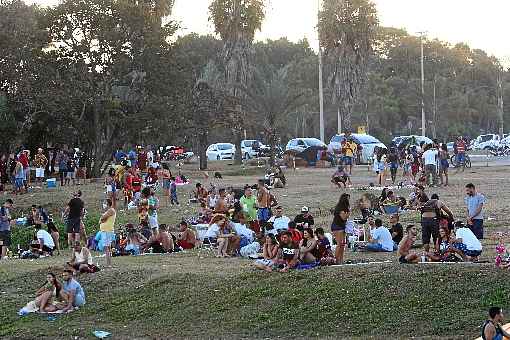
column 461, row 146
column 129, row 182
column 23, row 159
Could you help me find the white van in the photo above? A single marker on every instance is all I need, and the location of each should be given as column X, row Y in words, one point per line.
column 486, row 142
column 367, row 142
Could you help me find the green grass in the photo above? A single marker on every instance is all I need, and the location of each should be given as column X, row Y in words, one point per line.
column 171, row 297
column 195, row 295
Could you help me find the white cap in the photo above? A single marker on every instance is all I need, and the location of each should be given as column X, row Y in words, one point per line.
column 304, row 209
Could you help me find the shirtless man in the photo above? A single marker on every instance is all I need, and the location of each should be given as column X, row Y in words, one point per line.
column 405, row 256
column 160, row 241
column 221, row 206
column 186, row 238
column 263, row 202
column 201, row 193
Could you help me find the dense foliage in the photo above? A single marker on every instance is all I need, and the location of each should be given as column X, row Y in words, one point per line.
column 98, row 74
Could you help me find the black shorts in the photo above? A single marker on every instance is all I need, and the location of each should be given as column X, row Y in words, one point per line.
column 402, row 259
column 5, row 237
column 336, row 227
column 73, row 226
column 429, row 227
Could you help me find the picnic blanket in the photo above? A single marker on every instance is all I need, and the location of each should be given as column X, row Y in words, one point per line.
column 31, row 307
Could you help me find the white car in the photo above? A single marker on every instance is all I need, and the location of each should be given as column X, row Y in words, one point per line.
column 485, row 142
column 368, row 144
column 220, row 151
column 247, row 148
column 301, row 144
column 406, row 139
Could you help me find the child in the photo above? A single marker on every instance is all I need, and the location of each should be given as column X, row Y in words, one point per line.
column 326, row 256
column 173, row 191
column 501, row 252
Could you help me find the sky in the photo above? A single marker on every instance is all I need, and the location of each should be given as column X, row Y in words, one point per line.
column 481, row 24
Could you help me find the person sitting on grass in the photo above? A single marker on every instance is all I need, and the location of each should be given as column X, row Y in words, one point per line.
column 396, row 230
column 492, row 328
column 379, row 239
column 297, row 236
column 55, row 234
column 45, row 244
column 466, row 242
column 404, row 248
column 72, row 292
column 161, row 242
column 186, row 238
column 46, row 294
column 81, row 260
column 269, row 252
column 445, row 252
column 279, row 221
column 288, row 254
column 224, row 235
column 341, row 178
column 308, row 252
column 135, row 240
column 304, row 220
column 324, row 251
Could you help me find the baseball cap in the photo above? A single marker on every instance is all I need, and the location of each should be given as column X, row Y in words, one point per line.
column 305, row 209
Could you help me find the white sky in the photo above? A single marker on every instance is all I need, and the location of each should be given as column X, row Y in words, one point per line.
column 481, row 24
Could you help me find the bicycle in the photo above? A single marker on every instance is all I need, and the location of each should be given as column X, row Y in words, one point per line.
column 467, row 161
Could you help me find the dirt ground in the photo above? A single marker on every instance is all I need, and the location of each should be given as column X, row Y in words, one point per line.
column 184, row 295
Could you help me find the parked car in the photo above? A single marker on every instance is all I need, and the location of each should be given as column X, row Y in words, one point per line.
column 248, row 151
column 301, row 144
column 505, row 141
column 368, row 144
column 486, row 142
column 398, row 141
column 221, row 151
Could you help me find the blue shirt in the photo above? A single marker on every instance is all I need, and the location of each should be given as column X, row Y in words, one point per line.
column 5, row 224
column 472, row 203
column 73, row 285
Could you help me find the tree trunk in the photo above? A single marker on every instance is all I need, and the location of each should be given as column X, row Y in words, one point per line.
column 237, row 141
column 202, row 148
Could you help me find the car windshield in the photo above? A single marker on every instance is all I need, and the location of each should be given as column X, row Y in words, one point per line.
column 313, row 142
column 248, row 143
column 224, row 146
column 367, row 139
column 485, row 138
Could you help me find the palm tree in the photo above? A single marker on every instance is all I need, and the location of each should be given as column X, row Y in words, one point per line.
column 347, row 31
column 272, row 98
column 236, row 22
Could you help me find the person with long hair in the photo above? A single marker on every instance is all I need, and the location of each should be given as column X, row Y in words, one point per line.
column 308, row 252
column 340, row 216
column 166, row 175
column 269, row 252
column 51, row 288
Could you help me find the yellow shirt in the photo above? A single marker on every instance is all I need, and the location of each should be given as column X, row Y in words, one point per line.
column 350, row 149
column 108, row 224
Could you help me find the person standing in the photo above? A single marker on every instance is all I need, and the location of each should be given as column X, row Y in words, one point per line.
column 393, row 161
column 62, row 159
column 19, row 178
column 263, row 202
column 460, row 148
column 340, row 217
column 5, row 227
column 106, row 226
column 173, row 192
column 491, row 329
column 24, row 159
column 350, row 149
column 443, row 164
column 430, row 163
column 40, row 162
column 74, row 212
column 474, row 202
column 249, row 205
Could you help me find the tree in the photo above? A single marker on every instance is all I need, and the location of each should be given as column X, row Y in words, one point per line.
column 104, row 54
column 347, row 30
column 236, row 22
column 272, row 98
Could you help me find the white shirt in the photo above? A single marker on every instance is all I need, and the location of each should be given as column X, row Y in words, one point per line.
column 242, row 230
column 383, row 237
column 430, row 156
column 46, row 237
column 468, row 238
column 280, row 223
column 213, row 231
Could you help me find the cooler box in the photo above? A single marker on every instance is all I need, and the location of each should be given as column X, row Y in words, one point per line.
column 51, row 183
